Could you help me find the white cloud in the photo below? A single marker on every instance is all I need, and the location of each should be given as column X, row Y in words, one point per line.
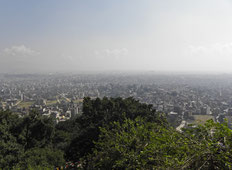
column 214, row 50
column 70, row 58
column 215, row 57
column 20, row 50
column 113, row 53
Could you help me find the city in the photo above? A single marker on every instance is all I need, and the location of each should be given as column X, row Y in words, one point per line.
column 115, row 84
column 184, row 98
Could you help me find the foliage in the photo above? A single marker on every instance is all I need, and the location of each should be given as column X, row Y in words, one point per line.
column 101, row 112
column 64, row 133
column 213, row 146
column 112, row 133
column 133, row 144
column 27, row 142
column 10, row 150
column 41, row 157
column 138, row 144
column 35, row 130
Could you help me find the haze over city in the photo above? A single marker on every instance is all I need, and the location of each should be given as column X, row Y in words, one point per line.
column 103, row 35
column 115, row 84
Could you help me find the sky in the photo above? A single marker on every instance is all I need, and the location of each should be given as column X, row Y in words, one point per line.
column 108, row 35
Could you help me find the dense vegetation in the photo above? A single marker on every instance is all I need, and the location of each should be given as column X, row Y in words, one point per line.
column 112, row 133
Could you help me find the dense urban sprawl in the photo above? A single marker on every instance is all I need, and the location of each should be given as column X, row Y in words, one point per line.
column 184, row 98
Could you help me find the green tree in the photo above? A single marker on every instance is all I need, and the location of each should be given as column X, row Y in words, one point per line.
column 134, row 144
column 41, row 157
column 139, row 144
column 10, row 150
column 35, row 130
column 101, row 112
column 213, row 146
column 27, row 141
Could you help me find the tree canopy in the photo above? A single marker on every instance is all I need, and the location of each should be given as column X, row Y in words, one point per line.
column 27, row 142
column 112, row 133
column 138, row 144
column 100, row 113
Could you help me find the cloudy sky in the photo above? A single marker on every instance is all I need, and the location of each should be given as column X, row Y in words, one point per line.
column 74, row 35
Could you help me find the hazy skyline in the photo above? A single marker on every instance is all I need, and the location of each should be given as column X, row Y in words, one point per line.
column 158, row 35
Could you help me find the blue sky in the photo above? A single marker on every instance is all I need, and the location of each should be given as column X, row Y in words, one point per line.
column 61, row 18
column 162, row 35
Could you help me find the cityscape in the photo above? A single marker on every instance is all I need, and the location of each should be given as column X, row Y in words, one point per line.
column 116, row 84
column 184, row 98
